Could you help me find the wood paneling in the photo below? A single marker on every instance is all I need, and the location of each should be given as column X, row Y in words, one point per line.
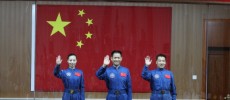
column 218, row 33
column 15, row 48
column 218, row 36
column 186, row 58
column 224, row 2
column 218, row 72
column 187, row 49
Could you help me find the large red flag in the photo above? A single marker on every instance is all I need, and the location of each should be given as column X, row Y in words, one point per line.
column 93, row 32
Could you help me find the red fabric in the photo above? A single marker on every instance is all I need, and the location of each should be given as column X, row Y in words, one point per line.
column 136, row 31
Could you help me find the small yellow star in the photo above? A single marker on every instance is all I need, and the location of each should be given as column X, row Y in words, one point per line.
column 89, row 21
column 81, row 12
column 88, row 35
column 79, row 44
column 58, row 25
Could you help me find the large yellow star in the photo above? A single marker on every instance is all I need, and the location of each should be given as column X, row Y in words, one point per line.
column 88, row 35
column 89, row 21
column 58, row 25
column 81, row 12
column 79, row 44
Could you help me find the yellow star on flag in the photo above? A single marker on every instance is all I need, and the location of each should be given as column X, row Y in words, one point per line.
column 81, row 12
column 58, row 25
column 88, row 35
column 89, row 21
column 79, row 44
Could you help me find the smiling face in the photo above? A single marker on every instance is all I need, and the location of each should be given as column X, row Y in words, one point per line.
column 116, row 59
column 161, row 62
column 72, row 60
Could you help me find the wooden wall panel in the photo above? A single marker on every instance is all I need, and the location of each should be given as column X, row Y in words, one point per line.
column 217, row 34
column 186, row 58
column 15, row 48
column 187, row 49
column 218, row 12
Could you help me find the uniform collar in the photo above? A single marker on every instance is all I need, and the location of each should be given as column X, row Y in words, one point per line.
column 160, row 69
column 116, row 67
column 72, row 68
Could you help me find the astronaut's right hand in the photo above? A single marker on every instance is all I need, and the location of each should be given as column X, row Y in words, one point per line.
column 106, row 61
column 148, row 61
column 58, row 60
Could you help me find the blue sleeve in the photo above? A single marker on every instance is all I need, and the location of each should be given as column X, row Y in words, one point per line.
column 129, row 85
column 173, row 88
column 101, row 73
column 82, row 87
column 146, row 73
column 57, row 71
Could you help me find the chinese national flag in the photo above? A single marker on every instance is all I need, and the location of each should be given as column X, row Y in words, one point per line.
column 91, row 32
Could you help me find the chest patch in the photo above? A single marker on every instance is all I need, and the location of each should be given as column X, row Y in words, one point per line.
column 68, row 74
column 167, row 76
column 123, row 74
column 112, row 75
column 77, row 74
column 156, row 76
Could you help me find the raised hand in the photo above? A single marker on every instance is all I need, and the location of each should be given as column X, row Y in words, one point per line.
column 106, row 61
column 148, row 61
column 58, row 60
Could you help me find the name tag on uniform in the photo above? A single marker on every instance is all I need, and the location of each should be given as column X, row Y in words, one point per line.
column 77, row 74
column 167, row 76
column 123, row 74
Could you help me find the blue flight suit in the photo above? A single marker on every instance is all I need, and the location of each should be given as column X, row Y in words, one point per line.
column 118, row 82
column 161, row 82
column 73, row 81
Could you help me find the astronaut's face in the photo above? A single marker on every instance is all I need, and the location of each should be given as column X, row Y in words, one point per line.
column 72, row 60
column 116, row 59
column 161, row 62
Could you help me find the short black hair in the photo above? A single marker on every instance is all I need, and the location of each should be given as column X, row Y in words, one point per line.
column 71, row 54
column 116, row 51
column 160, row 55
